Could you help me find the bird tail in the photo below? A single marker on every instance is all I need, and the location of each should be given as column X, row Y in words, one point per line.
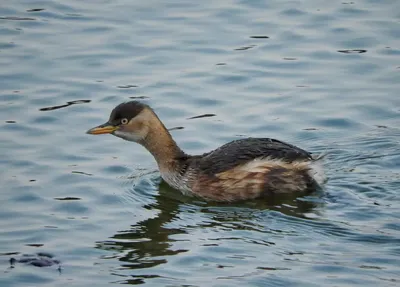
column 316, row 170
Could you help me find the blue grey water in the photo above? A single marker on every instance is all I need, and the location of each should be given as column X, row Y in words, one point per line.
column 324, row 75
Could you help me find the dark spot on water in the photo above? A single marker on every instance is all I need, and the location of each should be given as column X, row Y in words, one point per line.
column 354, row 51
column 381, row 126
column 81, row 172
column 310, row 129
column 32, row 180
column 17, row 18
column 35, row 10
column 272, row 268
column 43, row 262
column 67, row 198
column 132, row 282
column 99, row 81
column 45, row 254
column 370, row 267
column 302, row 86
column 220, row 64
column 259, row 37
column 202, row 116
column 9, row 253
column 139, row 97
column 290, row 59
column 245, row 48
column 127, row 86
column 50, row 226
column 34, row 245
column 293, row 253
column 350, row 3
column 16, row 92
column 176, row 128
column 40, row 259
column 10, row 122
column 223, row 266
column 65, row 105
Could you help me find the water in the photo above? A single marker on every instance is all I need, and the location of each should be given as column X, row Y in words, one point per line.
column 323, row 75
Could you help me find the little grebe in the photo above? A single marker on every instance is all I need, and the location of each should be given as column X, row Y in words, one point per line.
column 242, row 169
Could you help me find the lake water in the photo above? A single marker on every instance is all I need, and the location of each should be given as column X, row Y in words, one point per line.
column 324, row 75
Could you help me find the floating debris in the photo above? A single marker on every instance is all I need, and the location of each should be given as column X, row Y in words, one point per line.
column 40, row 259
column 65, row 105
column 202, row 116
column 10, row 122
column 355, row 51
column 290, row 59
column 220, row 64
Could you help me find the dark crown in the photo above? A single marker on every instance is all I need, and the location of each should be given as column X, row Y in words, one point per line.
column 127, row 110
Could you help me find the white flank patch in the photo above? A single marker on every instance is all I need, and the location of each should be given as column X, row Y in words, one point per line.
column 260, row 164
column 256, row 165
column 317, row 171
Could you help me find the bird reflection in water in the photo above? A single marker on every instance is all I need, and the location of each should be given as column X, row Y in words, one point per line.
column 150, row 242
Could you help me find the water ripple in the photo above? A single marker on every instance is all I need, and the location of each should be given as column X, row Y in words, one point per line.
column 323, row 76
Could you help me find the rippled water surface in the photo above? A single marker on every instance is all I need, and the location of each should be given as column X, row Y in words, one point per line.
column 324, row 75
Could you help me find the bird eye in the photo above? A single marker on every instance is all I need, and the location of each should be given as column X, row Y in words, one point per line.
column 124, row 121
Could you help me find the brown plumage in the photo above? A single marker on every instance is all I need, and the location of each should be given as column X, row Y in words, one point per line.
column 242, row 169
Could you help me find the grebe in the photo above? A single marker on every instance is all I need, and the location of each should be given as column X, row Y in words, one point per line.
column 242, row 169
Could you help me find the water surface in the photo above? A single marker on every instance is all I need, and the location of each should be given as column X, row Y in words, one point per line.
column 323, row 75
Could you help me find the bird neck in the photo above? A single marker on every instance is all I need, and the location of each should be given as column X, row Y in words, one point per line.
column 161, row 145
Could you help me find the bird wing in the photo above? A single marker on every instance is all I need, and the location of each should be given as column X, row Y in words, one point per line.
column 241, row 151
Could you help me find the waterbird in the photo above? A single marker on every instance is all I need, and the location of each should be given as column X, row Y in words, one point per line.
column 244, row 169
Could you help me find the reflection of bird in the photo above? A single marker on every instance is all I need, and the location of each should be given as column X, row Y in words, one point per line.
column 242, row 169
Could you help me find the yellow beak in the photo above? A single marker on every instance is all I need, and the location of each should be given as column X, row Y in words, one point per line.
column 102, row 129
